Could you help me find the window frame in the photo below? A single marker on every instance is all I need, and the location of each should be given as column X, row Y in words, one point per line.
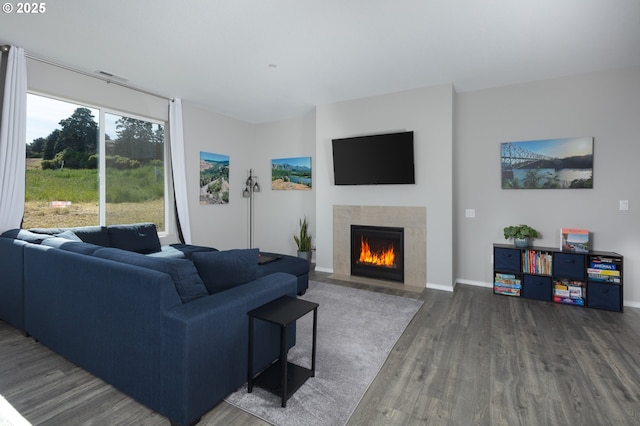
column 102, row 111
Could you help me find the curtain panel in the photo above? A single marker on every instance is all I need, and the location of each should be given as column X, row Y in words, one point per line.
column 178, row 165
column 13, row 134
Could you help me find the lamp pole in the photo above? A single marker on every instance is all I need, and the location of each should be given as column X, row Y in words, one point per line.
column 250, row 186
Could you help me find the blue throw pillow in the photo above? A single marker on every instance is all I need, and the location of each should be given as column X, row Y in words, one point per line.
column 222, row 270
column 185, row 276
column 97, row 235
column 139, row 237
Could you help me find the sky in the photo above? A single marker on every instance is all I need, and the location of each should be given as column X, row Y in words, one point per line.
column 44, row 115
column 560, row 148
column 213, row 157
column 297, row 161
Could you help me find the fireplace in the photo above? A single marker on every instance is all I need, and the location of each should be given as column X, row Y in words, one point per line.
column 377, row 252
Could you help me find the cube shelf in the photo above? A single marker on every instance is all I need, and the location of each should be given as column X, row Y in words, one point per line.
column 593, row 279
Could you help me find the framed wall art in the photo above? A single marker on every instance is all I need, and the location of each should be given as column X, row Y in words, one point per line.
column 214, row 178
column 547, row 164
column 291, row 173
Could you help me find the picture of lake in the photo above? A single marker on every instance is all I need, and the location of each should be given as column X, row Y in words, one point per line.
column 291, row 173
column 547, row 164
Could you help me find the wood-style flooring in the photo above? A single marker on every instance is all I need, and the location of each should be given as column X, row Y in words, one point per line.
column 467, row 358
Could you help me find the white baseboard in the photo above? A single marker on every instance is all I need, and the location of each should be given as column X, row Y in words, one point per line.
column 474, row 283
column 321, row 269
column 440, row 287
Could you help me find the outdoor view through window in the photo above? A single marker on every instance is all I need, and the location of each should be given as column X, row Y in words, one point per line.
column 69, row 184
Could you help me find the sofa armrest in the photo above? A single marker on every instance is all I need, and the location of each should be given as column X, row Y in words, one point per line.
column 12, row 281
column 206, row 345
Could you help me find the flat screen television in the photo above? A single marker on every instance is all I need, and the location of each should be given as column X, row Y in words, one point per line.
column 374, row 160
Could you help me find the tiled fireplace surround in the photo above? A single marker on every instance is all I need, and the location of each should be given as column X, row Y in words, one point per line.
column 412, row 219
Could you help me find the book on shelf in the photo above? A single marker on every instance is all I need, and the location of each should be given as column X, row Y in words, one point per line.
column 537, row 262
column 604, row 269
column 576, row 240
column 599, row 264
column 606, row 272
column 570, row 292
column 507, row 284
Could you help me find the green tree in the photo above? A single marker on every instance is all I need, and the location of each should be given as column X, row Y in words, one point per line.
column 48, row 151
column 36, row 147
column 79, row 133
column 139, row 140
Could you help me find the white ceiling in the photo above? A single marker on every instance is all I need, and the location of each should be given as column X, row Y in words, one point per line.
column 265, row 60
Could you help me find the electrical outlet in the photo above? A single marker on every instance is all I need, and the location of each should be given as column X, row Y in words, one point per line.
column 624, row 204
column 470, row 213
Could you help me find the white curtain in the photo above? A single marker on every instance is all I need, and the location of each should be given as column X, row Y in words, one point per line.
column 13, row 135
column 176, row 140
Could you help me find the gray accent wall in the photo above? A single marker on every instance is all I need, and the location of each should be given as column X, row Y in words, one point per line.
column 605, row 106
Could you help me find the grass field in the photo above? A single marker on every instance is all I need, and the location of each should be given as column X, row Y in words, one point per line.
column 136, row 197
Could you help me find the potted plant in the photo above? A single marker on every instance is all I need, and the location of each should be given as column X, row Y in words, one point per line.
column 521, row 234
column 303, row 240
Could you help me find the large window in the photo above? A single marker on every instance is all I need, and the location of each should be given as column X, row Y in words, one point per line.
column 90, row 166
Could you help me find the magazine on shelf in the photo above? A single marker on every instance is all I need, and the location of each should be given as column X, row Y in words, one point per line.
column 576, row 240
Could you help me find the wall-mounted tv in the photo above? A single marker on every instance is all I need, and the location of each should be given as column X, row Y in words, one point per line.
column 374, row 160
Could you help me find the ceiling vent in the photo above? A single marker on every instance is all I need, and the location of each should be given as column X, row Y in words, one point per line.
column 111, row 76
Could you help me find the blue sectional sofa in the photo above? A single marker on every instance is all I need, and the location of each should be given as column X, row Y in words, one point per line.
column 143, row 317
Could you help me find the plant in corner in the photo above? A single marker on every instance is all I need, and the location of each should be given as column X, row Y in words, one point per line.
column 303, row 240
column 521, row 234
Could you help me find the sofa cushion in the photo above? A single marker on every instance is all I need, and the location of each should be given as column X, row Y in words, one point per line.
column 89, row 234
column 97, row 235
column 180, row 251
column 69, row 236
column 221, row 270
column 25, row 235
column 184, row 274
column 290, row 264
column 138, row 237
column 71, row 245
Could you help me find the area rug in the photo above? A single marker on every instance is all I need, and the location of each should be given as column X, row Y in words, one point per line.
column 357, row 330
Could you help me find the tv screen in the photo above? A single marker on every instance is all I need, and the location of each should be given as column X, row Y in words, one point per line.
column 374, row 160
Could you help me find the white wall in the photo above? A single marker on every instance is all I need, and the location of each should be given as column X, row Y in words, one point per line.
column 276, row 213
column 603, row 105
column 217, row 225
column 429, row 113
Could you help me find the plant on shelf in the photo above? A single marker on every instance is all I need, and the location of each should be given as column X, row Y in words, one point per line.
column 521, row 234
column 303, row 240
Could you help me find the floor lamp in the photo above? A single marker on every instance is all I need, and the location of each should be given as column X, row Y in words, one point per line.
column 250, row 186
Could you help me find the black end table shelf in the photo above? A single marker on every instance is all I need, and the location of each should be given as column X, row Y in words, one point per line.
column 284, row 382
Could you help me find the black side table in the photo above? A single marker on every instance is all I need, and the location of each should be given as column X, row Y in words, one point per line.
column 282, row 377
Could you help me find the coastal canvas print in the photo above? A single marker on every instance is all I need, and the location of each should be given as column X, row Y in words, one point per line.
column 547, row 164
column 291, row 173
column 214, row 178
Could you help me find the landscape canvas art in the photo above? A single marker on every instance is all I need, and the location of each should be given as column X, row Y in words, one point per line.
column 291, row 173
column 214, row 178
column 547, row 164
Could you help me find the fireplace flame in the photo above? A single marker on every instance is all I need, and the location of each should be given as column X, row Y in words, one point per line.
column 384, row 258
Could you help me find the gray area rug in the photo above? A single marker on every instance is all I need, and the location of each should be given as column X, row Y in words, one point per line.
column 356, row 331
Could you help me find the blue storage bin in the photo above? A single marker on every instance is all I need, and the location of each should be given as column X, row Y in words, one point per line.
column 568, row 265
column 604, row 296
column 536, row 287
column 507, row 260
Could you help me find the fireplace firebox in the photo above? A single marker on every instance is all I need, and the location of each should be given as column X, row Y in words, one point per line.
column 377, row 252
